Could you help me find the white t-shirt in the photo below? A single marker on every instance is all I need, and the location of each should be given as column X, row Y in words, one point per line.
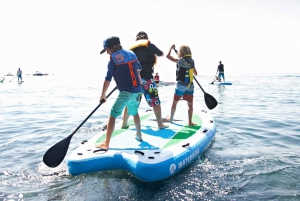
column 19, row 72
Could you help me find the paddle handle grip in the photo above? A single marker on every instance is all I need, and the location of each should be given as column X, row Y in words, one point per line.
column 175, row 50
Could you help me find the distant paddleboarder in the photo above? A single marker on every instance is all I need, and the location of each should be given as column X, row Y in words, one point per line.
column 220, row 69
column 19, row 74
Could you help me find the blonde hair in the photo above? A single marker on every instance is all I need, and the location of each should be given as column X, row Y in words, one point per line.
column 184, row 50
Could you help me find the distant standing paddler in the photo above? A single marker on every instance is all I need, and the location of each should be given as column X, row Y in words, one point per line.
column 220, row 69
column 19, row 74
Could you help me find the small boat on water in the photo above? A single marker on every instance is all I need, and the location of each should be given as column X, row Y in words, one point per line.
column 9, row 74
column 37, row 73
column 162, row 83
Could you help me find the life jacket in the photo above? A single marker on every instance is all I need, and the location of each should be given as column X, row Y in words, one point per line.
column 185, row 70
column 221, row 68
column 124, row 60
column 144, row 55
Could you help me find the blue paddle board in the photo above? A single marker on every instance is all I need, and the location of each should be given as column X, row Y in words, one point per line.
column 161, row 154
column 221, row 83
column 225, row 83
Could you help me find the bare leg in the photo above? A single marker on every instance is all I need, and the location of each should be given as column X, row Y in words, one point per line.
column 173, row 109
column 157, row 112
column 125, row 119
column 109, row 131
column 137, row 123
column 190, row 113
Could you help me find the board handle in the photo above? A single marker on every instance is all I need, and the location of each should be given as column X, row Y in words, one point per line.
column 139, row 152
column 186, row 145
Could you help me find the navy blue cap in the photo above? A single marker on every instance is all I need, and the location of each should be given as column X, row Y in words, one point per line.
column 109, row 42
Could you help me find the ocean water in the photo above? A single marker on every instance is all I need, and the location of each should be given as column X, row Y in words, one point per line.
column 254, row 156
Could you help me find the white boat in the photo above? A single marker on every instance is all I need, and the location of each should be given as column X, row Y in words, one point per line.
column 37, row 73
column 9, row 74
column 163, row 83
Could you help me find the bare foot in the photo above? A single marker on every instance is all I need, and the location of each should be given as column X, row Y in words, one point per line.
column 162, row 126
column 102, row 145
column 167, row 119
column 125, row 126
column 139, row 137
column 192, row 124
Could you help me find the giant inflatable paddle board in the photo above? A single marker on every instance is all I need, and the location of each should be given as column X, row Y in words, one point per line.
column 161, row 154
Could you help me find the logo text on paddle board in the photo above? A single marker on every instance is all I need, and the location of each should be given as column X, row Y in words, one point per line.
column 184, row 162
column 172, row 168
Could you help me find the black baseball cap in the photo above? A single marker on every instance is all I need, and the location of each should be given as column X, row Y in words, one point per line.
column 109, row 42
column 142, row 35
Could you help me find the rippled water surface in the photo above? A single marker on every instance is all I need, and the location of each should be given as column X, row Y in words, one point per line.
column 254, row 156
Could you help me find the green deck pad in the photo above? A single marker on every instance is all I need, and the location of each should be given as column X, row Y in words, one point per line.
column 185, row 132
column 117, row 132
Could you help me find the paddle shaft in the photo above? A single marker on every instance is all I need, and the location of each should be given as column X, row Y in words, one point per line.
column 56, row 154
column 93, row 111
column 102, row 101
column 199, row 85
column 215, row 77
column 13, row 79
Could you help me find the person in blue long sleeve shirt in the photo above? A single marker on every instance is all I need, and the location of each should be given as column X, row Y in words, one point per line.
column 124, row 67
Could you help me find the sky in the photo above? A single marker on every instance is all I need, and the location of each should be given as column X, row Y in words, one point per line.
column 66, row 36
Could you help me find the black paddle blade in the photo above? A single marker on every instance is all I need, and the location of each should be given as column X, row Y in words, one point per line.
column 56, row 154
column 210, row 101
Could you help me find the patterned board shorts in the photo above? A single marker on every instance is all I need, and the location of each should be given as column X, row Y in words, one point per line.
column 131, row 100
column 150, row 92
column 181, row 90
